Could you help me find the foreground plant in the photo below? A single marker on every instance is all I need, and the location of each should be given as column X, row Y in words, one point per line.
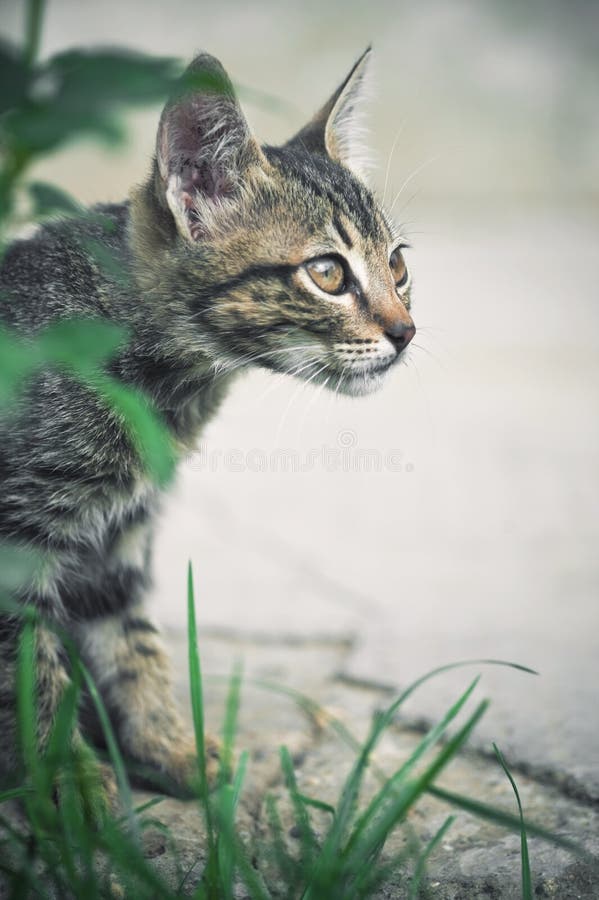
column 60, row 844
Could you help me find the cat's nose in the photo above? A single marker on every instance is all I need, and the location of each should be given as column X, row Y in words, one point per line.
column 400, row 333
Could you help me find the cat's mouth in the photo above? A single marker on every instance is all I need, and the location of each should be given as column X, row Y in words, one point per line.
column 356, row 380
column 341, row 368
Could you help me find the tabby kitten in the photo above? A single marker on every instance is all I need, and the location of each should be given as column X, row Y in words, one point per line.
column 237, row 254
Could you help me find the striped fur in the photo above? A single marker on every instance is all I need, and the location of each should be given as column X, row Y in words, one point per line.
column 213, row 246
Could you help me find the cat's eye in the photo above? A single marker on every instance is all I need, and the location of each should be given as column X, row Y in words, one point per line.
column 398, row 267
column 327, row 273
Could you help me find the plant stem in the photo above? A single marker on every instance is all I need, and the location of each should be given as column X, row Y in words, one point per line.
column 33, row 29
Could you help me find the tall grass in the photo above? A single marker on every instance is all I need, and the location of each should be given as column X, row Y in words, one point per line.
column 64, row 842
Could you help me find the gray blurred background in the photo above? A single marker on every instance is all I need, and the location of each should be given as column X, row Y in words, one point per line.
column 470, row 528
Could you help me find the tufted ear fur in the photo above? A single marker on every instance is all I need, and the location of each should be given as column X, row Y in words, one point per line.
column 204, row 147
column 335, row 130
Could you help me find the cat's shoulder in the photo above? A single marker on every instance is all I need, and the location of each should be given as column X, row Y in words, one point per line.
column 53, row 270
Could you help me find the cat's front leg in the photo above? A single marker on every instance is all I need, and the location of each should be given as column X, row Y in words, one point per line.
column 94, row 781
column 132, row 672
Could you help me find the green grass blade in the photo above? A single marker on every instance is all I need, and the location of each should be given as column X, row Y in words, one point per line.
column 230, row 725
column 373, row 877
column 38, row 806
column 250, row 876
column 26, row 696
column 60, row 757
column 59, row 742
column 373, row 840
column 113, row 749
column 210, row 884
column 227, row 849
column 392, row 784
column 240, row 776
column 346, row 806
column 14, row 794
column 526, row 876
column 227, row 795
column 197, row 701
column 351, row 789
column 317, row 804
column 350, row 792
column 422, row 860
column 226, row 841
column 144, row 807
column 507, row 820
column 287, row 865
column 76, row 840
column 388, row 715
column 302, row 819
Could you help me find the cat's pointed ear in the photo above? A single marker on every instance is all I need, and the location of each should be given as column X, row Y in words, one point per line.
column 335, row 130
column 204, row 147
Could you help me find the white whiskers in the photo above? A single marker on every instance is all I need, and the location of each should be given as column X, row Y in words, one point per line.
column 410, row 177
column 398, row 134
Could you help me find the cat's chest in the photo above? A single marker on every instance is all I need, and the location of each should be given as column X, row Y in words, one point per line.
column 110, row 534
column 197, row 404
column 102, row 572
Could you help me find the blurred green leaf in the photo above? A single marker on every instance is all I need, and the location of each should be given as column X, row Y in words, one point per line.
column 50, row 200
column 80, row 92
column 108, row 225
column 105, row 259
column 17, row 361
column 84, row 346
column 40, row 127
column 26, row 695
column 146, row 429
column 111, row 77
column 81, row 344
column 14, row 77
column 17, row 565
column 34, row 18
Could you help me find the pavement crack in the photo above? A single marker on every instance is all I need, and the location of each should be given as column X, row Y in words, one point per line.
column 366, row 684
column 568, row 785
column 343, row 641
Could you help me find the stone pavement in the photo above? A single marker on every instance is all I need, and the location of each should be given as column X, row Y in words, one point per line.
column 475, row 860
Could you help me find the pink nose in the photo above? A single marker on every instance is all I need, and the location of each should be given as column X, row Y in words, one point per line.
column 400, row 334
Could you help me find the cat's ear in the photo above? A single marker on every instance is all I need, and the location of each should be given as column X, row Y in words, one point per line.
column 204, row 147
column 336, row 130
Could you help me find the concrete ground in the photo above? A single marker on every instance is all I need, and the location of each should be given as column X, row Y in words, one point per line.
column 474, row 860
column 450, row 517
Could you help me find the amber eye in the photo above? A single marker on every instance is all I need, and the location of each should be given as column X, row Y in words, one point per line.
column 398, row 267
column 327, row 273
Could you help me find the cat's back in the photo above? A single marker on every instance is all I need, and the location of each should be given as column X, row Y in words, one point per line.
column 60, row 435
column 61, row 270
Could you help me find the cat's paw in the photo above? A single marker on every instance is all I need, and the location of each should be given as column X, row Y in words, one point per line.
column 181, row 769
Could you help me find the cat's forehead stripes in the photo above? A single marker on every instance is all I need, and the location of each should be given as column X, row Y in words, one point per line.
column 335, row 185
column 342, row 230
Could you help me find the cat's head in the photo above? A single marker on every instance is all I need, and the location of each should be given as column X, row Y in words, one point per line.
column 277, row 256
